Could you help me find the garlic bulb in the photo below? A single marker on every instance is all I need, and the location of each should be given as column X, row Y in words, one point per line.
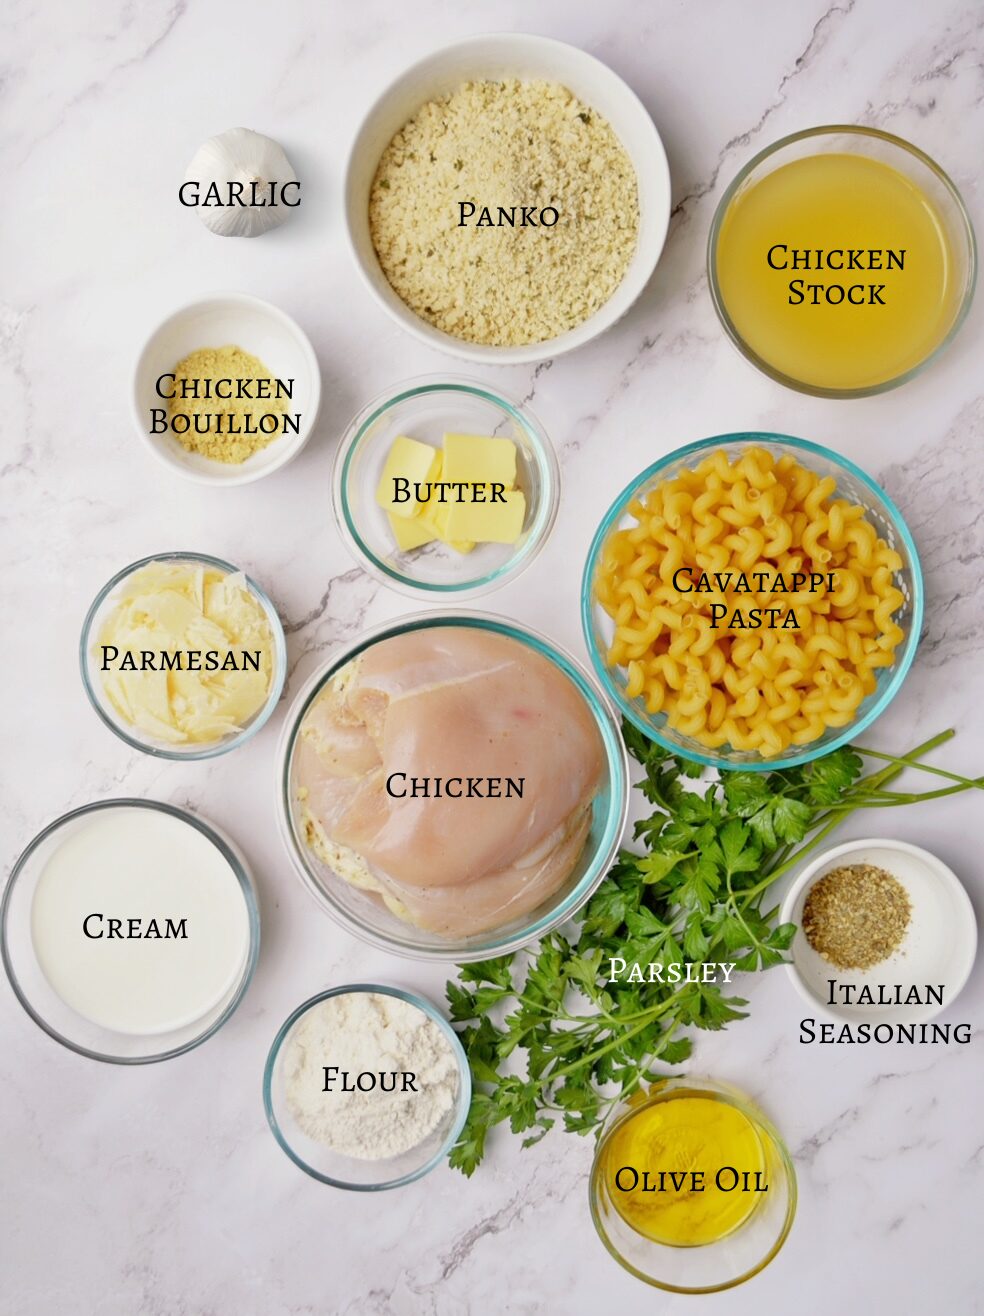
column 241, row 183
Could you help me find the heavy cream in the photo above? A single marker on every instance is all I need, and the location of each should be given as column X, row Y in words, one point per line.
column 139, row 922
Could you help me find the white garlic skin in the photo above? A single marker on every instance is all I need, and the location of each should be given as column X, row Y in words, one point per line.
column 240, row 155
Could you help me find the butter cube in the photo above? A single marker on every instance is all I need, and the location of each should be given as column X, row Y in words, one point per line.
column 411, row 461
column 435, row 518
column 410, row 531
column 488, row 523
column 473, row 459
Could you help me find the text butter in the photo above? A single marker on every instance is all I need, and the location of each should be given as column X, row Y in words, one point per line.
column 460, row 495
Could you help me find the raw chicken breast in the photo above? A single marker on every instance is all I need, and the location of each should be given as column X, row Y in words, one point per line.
column 450, row 701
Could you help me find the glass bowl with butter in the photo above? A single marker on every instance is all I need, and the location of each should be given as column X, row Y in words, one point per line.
column 183, row 656
column 443, row 486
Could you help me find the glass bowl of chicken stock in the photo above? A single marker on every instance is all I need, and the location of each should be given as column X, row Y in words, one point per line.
column 363, row 913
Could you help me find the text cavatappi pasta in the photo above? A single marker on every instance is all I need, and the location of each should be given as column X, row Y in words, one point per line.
column 751, row 606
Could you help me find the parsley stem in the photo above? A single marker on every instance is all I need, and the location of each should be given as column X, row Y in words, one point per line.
column 834, row 816
column 646, row 1017
column 926, row 767
column 892, row 799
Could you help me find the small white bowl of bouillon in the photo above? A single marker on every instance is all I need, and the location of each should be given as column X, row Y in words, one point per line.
column 277, row 408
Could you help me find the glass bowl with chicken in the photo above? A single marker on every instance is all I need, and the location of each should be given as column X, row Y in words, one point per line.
column 452, row 786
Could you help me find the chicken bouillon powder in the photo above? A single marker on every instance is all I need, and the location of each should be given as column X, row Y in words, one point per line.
column 505, row 213
column 214, row 391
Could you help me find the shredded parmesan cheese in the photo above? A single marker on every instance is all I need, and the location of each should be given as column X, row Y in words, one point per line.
column 186, row 654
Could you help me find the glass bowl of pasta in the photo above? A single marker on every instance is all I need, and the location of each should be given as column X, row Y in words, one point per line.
column 752, row 600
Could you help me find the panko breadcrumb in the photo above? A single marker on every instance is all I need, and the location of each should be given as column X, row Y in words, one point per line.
column 508, row 144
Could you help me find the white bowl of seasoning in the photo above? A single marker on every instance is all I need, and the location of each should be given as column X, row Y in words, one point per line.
column 129, row 930
column 934, row 956
column 264, row 332
column 496, row 57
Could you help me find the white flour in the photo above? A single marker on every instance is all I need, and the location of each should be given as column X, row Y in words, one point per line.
column 368, row 1033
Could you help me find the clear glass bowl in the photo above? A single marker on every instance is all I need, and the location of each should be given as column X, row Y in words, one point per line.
column 710, row 1267
column 902, row 156
column 47, row 1008
column 335, row 1168
column 425, row 409
column 361, row 912
column 88, row 661
column 852, row 483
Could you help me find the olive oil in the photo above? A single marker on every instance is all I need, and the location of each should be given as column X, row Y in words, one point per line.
column 686, row 1171
column 836, row 271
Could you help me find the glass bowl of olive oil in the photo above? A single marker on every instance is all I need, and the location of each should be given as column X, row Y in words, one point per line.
column 692, row 1188
column 841, row 261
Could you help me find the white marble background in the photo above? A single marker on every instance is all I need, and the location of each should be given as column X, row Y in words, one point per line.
column 159, row 1190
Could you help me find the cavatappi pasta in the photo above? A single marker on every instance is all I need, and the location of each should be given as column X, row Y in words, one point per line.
column 750, row 606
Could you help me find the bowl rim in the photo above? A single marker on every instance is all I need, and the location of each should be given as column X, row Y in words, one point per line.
column 420, row 385
column 617, row 767
column 931, row 863
column 717, row 299
column 571, row 339
column 462, row 1099
column 807, row 753
column 698, row 1085
column 297, row 441
column 211, row 750
column 229, row 852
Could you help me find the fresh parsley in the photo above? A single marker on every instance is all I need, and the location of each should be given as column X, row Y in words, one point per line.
column 550, row 1042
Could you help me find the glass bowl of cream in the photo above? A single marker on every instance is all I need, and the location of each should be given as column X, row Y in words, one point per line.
column 129, row 930
column 692, row 1189
column 366, row 1087
column 183, row 656
column 446, row 441
column 452, row 786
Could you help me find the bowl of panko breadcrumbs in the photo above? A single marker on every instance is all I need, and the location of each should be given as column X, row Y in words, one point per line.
column 507, row 199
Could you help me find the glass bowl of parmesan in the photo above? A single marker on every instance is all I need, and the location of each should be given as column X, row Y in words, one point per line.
column 183, row 656
column 366, row 1087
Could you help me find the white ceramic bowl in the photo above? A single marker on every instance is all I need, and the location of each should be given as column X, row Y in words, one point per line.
column 939, row 946
column 511, row 55
column 218, row 321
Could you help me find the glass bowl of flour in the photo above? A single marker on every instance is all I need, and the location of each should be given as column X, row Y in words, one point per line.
column 366, row 1087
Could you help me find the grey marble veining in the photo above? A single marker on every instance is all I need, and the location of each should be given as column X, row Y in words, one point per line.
column 159, row 1191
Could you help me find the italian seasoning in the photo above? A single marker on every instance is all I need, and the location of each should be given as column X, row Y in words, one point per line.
column 856, row 916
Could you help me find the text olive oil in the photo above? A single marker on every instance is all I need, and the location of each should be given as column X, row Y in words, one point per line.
column 686, row 1171
column 836, row 271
